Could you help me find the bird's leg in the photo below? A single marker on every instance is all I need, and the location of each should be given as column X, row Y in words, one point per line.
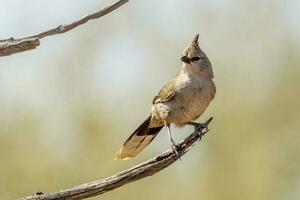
column 199, row 127
column 173, row 145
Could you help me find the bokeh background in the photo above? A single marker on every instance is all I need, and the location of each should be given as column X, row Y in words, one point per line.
column 66, row 107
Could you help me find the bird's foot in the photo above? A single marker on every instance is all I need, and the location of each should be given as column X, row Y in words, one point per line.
column 174, row 148
column 201, row 128
column 198, row 126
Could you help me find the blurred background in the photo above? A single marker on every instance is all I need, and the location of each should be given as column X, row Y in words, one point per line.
column 68, row 106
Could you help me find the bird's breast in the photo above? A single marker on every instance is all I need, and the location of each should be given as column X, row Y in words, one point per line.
column 194, row 97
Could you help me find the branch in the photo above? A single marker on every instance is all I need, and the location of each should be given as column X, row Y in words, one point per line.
column 11, row 46
column 135, row 173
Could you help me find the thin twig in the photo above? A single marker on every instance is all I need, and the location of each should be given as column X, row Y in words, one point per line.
column 11, row 46
column 135, row 173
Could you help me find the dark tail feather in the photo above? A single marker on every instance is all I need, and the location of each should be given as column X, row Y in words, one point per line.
column 138, row 140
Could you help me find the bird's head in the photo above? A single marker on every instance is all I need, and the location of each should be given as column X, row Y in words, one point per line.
column 195, row 60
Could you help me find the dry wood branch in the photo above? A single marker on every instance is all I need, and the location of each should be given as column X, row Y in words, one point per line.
column 12, row 46
column 140, row 171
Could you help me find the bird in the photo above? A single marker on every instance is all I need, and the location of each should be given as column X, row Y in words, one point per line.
column 180, row 101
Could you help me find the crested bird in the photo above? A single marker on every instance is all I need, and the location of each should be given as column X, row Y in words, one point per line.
column 181, row 101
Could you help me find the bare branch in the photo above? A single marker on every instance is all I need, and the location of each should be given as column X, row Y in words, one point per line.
column 12, row 46
column 67, row 27
column 138, row 172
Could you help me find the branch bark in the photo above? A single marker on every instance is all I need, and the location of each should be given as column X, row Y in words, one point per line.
column 11, row 46
column 135, row 173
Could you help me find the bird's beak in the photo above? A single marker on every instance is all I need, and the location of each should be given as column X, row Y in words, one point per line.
column 185, row 59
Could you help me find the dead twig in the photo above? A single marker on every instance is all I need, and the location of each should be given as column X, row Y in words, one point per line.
column 11, row 46
column 135, row 173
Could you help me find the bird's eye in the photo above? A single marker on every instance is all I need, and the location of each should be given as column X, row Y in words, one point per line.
column 195, row 58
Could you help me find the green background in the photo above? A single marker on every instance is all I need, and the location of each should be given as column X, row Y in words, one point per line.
column 66, row 107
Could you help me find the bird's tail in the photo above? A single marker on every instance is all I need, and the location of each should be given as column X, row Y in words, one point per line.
column 138, row 140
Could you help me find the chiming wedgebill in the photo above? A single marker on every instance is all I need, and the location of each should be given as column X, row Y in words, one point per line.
column 182, row 100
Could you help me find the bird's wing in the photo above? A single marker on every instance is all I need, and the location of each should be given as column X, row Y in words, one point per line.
column 166, row 93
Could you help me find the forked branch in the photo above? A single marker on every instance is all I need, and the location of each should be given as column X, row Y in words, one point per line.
column 135, row 173
column 11, row 46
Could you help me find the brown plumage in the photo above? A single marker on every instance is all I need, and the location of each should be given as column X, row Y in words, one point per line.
column 183, row 99
column 138, row 140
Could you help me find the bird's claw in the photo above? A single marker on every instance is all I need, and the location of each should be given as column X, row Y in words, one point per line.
column 200, row 128
column 174, row 148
